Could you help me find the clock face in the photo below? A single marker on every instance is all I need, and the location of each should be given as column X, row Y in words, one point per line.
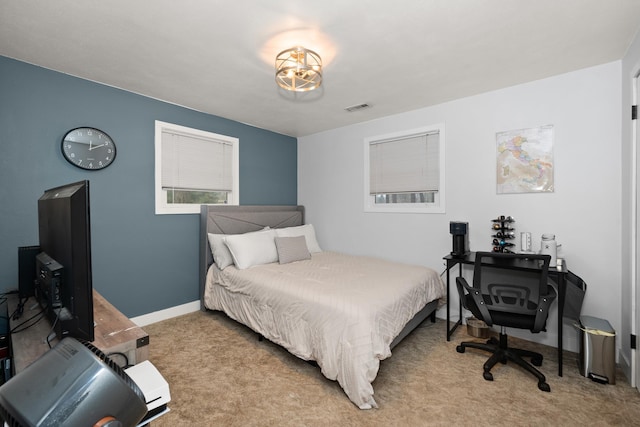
column 88, row 148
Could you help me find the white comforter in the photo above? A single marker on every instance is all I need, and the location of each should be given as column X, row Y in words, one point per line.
column 341, row 311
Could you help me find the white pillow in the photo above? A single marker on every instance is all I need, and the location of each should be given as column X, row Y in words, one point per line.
column 252, row 249
column 306, row 230
column 221, row 255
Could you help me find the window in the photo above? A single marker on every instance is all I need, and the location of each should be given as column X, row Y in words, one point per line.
column 404, row 172
column 194, row 167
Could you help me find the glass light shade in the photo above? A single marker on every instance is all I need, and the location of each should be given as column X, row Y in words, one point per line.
column 298, row 69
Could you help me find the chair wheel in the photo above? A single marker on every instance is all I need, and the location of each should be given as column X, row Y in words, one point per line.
column 489, row 377
column 460, row 349
column 544, row 387
column 492, row 341
column 536, row 361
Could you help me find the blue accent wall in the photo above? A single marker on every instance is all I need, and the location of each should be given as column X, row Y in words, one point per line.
column 142, row 262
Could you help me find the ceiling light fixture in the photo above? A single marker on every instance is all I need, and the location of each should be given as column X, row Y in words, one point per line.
column 298, row 69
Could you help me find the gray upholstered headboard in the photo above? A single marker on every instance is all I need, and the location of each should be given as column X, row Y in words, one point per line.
column 226, row 219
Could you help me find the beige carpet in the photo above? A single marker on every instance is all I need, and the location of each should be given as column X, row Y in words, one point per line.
column 221, row 375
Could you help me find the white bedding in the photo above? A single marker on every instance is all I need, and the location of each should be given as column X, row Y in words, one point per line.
column 341, row 311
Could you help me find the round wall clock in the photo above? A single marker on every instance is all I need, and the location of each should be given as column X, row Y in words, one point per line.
column 88, row 148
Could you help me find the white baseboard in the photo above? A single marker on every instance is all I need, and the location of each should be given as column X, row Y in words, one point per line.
column 167, row 313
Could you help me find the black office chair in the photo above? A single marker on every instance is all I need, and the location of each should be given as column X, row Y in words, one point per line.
column 507, row 293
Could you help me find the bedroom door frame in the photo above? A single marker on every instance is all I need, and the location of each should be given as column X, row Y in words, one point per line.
column 635, row 288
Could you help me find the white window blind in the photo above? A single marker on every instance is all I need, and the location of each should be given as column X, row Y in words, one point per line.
column 193, row 163
column 405, row 165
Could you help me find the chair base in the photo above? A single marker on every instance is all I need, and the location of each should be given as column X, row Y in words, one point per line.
column 502, row 353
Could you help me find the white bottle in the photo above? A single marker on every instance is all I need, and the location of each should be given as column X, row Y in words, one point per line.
column 548, row 246
column 525, row 242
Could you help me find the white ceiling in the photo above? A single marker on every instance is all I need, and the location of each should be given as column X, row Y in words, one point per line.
column 217, row 56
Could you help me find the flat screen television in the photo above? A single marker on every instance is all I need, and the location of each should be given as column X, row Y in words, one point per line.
column 63, row 268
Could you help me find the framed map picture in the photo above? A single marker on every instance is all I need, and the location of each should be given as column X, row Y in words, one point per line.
column 524, row 160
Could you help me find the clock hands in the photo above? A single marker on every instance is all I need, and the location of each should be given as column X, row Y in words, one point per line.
column 90, row 142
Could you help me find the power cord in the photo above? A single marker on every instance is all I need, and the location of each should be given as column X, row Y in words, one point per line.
column 4, row 298
column 20, row 327
column 52, row 333
column 17, row 313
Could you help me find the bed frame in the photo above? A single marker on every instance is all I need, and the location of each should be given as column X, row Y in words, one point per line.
column 227, row 219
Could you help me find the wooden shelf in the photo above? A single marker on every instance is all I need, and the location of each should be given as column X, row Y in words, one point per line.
column 113, row 333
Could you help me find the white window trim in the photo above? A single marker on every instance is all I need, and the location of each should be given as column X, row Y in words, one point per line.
column 179, row 208
column 369, row 202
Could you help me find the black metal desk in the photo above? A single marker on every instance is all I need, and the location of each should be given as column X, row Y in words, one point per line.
column 558, row 276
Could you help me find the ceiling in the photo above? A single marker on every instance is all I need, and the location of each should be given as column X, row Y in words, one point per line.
column 217, row 56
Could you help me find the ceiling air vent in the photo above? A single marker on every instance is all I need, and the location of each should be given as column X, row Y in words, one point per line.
column 357, row 107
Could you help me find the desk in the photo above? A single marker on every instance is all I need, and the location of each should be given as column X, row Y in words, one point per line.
column 558, row 276
column 114, row 333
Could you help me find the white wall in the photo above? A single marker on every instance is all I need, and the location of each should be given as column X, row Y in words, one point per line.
column 584, row 211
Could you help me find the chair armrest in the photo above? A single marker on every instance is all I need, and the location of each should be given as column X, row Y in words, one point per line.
column 462, row 285
column 543, row 307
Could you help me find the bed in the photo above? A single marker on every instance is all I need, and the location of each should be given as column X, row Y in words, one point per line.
column 343, row 312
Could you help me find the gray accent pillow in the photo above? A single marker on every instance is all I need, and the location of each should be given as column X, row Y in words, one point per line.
column 292, row 249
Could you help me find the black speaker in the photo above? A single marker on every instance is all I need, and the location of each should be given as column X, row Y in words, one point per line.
column 459, row 230
column 27, row 270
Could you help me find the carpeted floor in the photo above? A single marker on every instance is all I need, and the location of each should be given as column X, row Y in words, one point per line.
column 221, row 375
